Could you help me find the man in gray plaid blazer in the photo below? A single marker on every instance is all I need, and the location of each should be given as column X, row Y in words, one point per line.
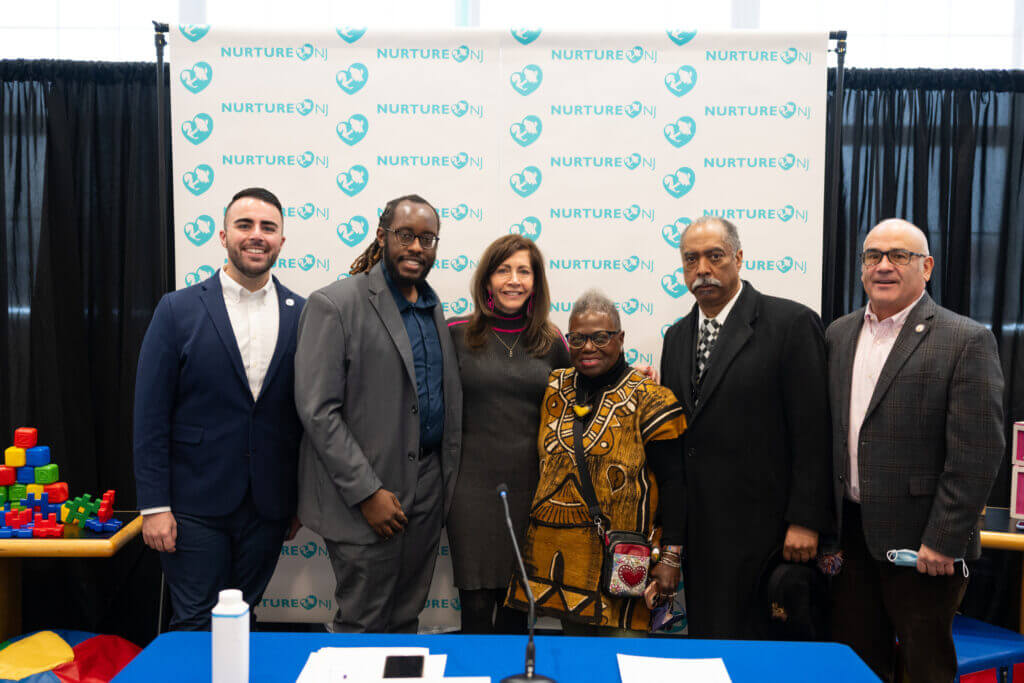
column 916, row 397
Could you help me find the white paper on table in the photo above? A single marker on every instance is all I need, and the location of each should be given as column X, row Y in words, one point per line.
column 638, row 669
column 358, row 664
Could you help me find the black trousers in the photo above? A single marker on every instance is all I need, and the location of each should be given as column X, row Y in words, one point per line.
column 874, row 602
column 483, row 612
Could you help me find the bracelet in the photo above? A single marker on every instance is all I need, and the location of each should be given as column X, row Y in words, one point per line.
column 669, row 563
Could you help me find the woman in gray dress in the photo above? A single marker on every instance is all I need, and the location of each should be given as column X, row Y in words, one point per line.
column 507, row 348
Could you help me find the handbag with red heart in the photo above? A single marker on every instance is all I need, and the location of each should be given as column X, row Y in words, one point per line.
column 625, row 567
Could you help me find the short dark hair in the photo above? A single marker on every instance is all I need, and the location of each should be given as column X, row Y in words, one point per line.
column 373, row 252
column 260, row 193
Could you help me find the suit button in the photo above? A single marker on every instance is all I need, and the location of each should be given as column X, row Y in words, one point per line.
column 841, row 478
column 690, row 452
column 415, row 409
column 412, row 456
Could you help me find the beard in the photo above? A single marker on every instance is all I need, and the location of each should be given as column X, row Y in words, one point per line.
column 391, row 264
column 238, row 261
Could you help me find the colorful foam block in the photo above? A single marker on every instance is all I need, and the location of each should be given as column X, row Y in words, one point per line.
column 6, row 532
column 35, row 489
column 15, row 492
column 3, row 495
column 58, row 491
column 110, row 526
column 25, row 437
column 47, row 474
column 17, row 518
column 14, row 457
column 26, row 475
column 106, row 510
column 8, row 475
column 33, row 501
column 78, row 510
column 23, row 532
column 37, row 456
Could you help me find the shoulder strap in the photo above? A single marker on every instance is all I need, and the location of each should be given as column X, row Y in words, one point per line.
column 587, row 486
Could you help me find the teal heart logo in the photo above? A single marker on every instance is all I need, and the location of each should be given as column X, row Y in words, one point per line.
column 193, row 32
column 526, row 181
column 529, row 228
column 630, row 306
column 787, row 212
column 788, row 109
column 352, row 79
column 460, row 54
column 526, row 132
column 635, row 54
column 460, row 108
column 306, row 262
column 353, row 231
column 353, row 181
column 633, row 160
column 306, row 159
column 305, row 51
column 459, row 263
column 460, row 306
column 199, row 274
column 459, row 212
column 786, row 162
column 681, row 131
column 308, row 550
column 200, row 230
column 460, row 160
column 350, row 34
column 681, row 81
column 672, row 233
column 634, row 108
column 784, row 264
column 198, row 128
column 199, row 179
column 526, row 35
column 631, row 264
column 632, row 212
column 528, row 80
column 306, row 211
column 789, row 56
column 631, row 355
column 308, row 602
column 679, row 183
column 353, row 130
column 305, row 106
column 197, row 77
column 674, row 283
column 681, row 37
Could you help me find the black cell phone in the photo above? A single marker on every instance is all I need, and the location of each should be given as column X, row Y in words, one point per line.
column 403, row 666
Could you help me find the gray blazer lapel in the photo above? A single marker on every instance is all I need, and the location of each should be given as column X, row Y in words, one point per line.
column 384, row 304
column 905, row 345
column 733, row 337
column 212, row 297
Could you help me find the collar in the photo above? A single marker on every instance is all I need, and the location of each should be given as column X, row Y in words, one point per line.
column 896, row 320
column 234, row 292
column 724, row 313
column 502, row 322
column 427, row 297
column 589, row 387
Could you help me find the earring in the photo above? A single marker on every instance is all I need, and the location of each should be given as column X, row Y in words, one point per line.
column 529, row 305
column 490, row 302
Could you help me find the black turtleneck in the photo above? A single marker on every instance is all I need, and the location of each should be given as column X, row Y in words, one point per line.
column 588, row 388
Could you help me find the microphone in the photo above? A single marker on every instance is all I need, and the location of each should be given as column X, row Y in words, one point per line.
column 530, row 649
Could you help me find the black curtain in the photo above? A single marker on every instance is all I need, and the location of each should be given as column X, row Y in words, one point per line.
column 85, row 262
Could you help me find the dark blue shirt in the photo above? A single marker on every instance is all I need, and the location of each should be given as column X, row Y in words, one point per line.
column 426, row 356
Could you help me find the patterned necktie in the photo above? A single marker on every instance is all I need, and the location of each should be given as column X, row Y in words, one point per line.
column 705, row 345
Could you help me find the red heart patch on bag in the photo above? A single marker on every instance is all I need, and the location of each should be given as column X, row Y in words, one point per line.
column 632, row 576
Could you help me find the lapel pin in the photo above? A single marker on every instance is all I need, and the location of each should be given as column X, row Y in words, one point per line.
column 291, row 302
column 919, row 328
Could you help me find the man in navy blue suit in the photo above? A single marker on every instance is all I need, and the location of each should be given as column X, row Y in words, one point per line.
column 216, row 431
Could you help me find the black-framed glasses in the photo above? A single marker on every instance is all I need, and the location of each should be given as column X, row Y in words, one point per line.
column 897, row 257
column 600, row 339
column 405, row 237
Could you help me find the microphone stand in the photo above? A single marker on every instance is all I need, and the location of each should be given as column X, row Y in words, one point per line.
column 529, row 676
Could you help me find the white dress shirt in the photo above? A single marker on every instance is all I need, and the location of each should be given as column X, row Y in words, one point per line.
column 255, row 319
column 877, row 337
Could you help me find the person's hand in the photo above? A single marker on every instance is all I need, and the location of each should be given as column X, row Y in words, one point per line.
column 648, row 372
column 293, row 528
column 160, row 531
column 801, row 544
column 384, row 513
column 933, row 563
column 665, row 580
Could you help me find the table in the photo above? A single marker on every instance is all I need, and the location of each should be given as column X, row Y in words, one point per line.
column 279, row 657
column 88, row 544
column 998, row 531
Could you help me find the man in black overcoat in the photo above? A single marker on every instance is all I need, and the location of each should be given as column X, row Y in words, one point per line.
column 750, row 370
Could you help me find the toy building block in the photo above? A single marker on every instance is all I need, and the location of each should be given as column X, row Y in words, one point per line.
column 78, row 510
column 17, row 518
column 37, row 456
column 35, row 502
column 14, row 457
column 8, row 475
column 46, row 526
column 57, row 491
column 26, row 475
column 6, row 532
column 35, row 489
column 23, row 532
column 112, row 524
column 106, row 510
column 16, row 492
column 3, row 495
column 99, row 527
column 25, row 437
column 47, row 474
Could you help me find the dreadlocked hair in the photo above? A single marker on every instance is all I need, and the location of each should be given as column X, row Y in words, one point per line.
column 374, row 252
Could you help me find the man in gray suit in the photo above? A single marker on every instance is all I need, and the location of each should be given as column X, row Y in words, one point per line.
column 378, row 392
column 916, row 397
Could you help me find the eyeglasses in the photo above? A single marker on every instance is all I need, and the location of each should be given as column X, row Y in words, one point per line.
column 405, row 237
column 897, row 257
column 600, row 338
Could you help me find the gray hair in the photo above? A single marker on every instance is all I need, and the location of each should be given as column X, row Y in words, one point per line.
column 732, row 235
column 594, row 301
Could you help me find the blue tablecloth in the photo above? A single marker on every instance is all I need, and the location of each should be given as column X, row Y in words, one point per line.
column 279, row 657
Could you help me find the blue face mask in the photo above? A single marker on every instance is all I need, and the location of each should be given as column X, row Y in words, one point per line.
column 905, row 557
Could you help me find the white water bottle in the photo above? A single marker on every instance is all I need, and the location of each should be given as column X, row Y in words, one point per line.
column 229, row 628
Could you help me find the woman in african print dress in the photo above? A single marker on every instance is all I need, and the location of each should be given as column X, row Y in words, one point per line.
column 631, row 443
